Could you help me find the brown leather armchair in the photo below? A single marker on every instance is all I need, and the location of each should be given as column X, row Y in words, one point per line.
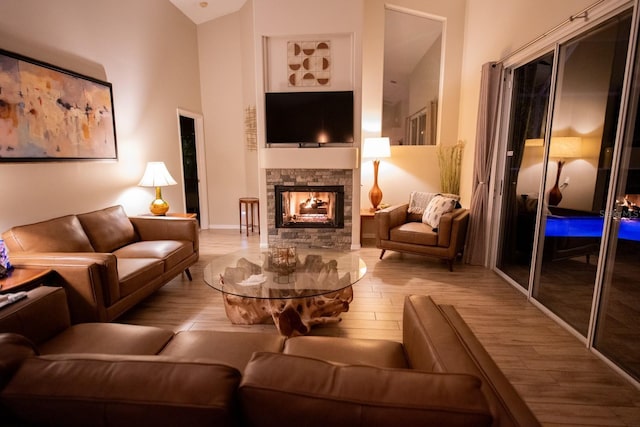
column 399, row 230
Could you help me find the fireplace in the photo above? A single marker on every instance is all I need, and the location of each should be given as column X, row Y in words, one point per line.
column 310, row 235
column 309, row 206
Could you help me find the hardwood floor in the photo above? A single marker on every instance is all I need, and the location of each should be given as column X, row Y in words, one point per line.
column 561, row 380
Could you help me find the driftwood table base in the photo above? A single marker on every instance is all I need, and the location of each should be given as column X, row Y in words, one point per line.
column 292, row 293
column 292, row 316
column 246, row 310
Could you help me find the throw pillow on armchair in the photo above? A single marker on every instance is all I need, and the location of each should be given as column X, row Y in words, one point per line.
column 438, row 206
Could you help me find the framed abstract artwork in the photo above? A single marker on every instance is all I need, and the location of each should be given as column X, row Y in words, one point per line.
column 52, row 114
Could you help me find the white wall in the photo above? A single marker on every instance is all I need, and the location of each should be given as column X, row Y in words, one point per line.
column 147, row 49
column 222, row 74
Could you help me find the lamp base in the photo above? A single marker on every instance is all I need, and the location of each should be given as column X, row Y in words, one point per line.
column 555, row 195
column 375, row 194
column 375, row 197
column 159, row 206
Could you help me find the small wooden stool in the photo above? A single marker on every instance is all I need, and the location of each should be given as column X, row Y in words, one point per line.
column 249, row 203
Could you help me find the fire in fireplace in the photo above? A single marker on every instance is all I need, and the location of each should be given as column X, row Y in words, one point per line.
column 309, row 206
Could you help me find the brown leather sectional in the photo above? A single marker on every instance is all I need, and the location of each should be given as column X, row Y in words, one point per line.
column 107, row 262
column 109, row 374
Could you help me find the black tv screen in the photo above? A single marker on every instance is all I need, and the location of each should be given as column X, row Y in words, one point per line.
column 309, row 117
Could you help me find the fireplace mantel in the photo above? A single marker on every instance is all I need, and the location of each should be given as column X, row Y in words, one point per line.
column 309, row 158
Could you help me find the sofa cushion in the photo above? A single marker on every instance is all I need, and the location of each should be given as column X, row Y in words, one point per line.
column 108, row 229
column 63, row 234
column 108, row 338
column 283, row 390
column 415, row 233
column 135, row 273
column 172, row 252
column 379, row 353
column 93, row 390
column 437, row 207
column 230, row 348
column 14, row 349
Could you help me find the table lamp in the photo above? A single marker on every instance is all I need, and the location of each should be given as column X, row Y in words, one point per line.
column 376, row 148
column 562, row 148
column 156, row 175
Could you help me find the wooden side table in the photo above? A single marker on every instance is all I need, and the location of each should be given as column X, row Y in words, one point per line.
column 249, row 203
column 173, row 215
column 366, row 217
column 23, row 279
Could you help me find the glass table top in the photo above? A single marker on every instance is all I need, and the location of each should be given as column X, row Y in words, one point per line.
column 284, row 273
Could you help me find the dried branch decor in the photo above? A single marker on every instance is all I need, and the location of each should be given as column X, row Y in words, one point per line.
column 250, row 128
column 450, row 161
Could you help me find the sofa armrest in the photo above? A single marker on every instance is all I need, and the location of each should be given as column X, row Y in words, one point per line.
column 437, row 339
column 42, row 315
column 153, row 228
column 459, row 224
column 89, row 278
column 72, row 389
column 388, row 218
column 450, row 227
column 507, row 405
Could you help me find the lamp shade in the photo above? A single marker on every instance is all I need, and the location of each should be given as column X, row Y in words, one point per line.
column 376, row 148
column 535, row 142
column 562, row 147
column 566, row 147
column 156, row 175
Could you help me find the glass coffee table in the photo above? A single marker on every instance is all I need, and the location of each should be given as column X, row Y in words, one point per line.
column 295, row 288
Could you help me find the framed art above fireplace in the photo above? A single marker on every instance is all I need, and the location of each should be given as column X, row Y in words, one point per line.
column 52, row 114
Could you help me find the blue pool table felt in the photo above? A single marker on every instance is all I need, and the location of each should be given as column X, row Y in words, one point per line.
column 589, row 227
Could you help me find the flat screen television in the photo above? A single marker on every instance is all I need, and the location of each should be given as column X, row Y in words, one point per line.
column 309, row 117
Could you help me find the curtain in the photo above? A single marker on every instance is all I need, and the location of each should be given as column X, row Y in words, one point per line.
column 478, row 230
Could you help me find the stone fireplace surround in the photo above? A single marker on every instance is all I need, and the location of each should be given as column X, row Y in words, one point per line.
column 338, row 238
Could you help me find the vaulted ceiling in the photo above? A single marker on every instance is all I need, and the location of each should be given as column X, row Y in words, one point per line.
column 202, row 11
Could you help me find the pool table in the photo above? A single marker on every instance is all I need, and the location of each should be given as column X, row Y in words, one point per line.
column 586, row 226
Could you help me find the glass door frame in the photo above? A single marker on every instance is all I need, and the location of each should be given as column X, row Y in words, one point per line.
column 621, row 152
column 499, row 163
column 622, row 133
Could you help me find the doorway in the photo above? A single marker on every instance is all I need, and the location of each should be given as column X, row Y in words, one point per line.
column 193, row 165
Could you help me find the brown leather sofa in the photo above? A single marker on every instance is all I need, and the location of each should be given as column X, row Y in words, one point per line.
column 106, row 261
column 107, row 374
column 399, row 230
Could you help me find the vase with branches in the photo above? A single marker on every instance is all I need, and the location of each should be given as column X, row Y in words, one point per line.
column 450, row 162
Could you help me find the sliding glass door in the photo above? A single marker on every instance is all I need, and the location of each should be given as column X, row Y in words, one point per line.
column 617, row 333
column 562, row 237
column 531, row 88
column 584, row 124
